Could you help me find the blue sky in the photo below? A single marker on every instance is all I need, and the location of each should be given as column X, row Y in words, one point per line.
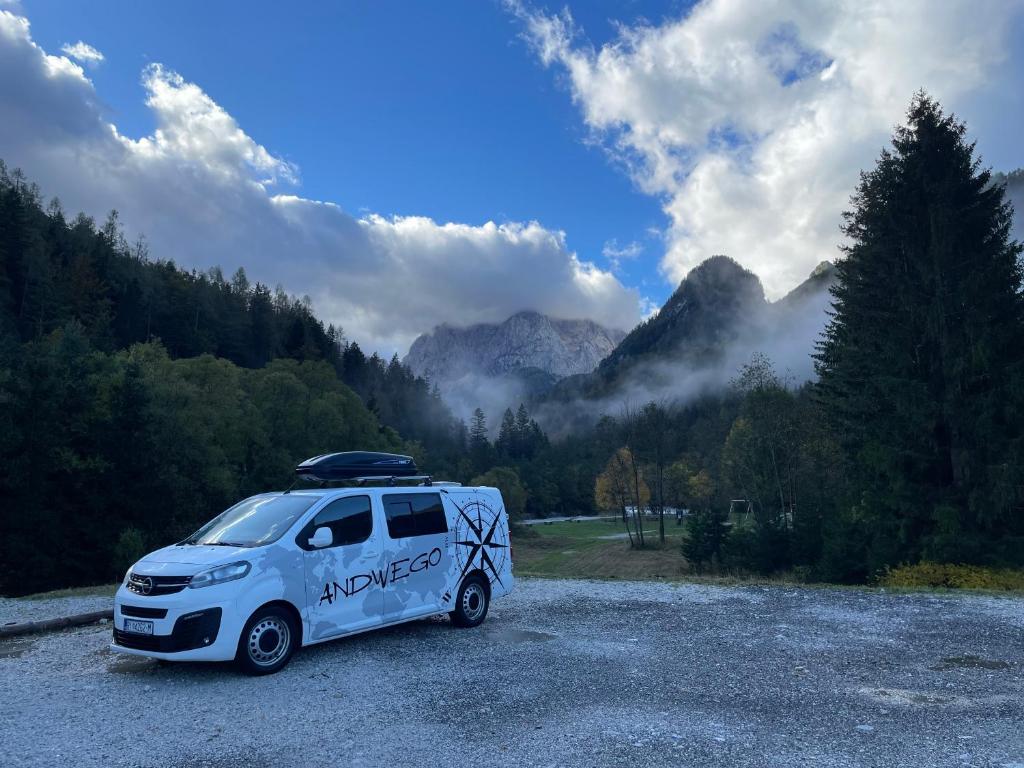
column 392, row 107
column 407, row 164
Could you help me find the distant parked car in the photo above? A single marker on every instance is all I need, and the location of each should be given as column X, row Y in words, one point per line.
column 282, row 570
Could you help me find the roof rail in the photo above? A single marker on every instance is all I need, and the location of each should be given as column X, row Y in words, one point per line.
column 391, row 479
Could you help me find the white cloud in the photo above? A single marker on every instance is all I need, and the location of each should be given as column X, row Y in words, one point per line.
column 204, row 193
column 751, row 120
column 83, row 52
column 616, row 254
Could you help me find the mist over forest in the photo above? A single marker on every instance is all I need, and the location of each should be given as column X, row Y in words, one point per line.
column 705, row 356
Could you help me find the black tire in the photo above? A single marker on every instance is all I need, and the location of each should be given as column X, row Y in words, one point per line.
column 267, row 642
column 472, row 602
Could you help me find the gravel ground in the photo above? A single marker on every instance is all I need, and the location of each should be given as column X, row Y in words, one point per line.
column 563, row 673
column 16, row 611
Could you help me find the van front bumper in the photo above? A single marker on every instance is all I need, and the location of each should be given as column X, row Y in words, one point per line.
column 187, row 631
column 192, row 631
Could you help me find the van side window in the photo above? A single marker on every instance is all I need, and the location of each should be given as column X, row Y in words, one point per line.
column 414, row 514
column 348, row 518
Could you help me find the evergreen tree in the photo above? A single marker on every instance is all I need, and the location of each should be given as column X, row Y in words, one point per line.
column 922, row 363
column 705, row 533
column 479, row 446
column 506, row 442
column 521, row 433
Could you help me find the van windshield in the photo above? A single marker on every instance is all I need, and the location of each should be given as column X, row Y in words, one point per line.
column 251, row 523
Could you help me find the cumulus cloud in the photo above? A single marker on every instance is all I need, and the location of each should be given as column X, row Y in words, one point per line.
column 751, row 120
column 83, row 52
column 206, row 193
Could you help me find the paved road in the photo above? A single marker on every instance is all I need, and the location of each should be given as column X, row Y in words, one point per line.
column 574, row 519
column 564, row 674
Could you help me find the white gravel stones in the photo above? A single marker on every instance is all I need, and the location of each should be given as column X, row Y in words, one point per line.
column 16, row 611
column 566, row 673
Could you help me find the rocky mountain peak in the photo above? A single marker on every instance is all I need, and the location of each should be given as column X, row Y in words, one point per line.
column 527, row 340
column 701, row 314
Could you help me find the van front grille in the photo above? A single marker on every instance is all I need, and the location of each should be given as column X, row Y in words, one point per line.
column 140, row 612
column 152, row 586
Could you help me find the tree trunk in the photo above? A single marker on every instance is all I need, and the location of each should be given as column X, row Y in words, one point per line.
column 625, row 522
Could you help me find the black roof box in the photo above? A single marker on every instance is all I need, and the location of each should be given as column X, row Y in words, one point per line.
column 354, row 464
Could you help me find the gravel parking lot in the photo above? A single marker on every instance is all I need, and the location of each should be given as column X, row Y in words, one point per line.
column 563, row 673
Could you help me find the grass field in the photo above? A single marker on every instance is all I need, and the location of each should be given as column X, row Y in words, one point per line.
column 597, row 549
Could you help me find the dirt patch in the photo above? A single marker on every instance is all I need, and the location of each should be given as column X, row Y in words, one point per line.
column 969, row 662
column 131, row 665
column 12, row 649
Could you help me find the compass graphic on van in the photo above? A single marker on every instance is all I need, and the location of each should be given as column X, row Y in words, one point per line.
column 481, row 540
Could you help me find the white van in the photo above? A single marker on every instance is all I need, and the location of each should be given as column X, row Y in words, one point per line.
column 282, row 570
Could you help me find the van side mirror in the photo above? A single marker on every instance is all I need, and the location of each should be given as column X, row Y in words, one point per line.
column 322, row 537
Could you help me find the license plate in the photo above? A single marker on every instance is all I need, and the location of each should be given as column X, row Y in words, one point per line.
column 138, row 627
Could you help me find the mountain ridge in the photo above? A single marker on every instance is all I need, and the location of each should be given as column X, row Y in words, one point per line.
column 717, row 314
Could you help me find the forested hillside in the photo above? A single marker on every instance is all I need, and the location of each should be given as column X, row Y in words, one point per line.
column 138, row 399
column 54, row 271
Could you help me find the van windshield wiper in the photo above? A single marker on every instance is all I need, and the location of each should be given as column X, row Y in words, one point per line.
column 225, row 544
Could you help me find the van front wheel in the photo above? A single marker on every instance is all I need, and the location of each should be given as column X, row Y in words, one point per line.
column 267, row 641
column 471, row 603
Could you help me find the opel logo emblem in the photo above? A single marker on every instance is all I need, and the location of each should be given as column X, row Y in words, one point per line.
column 146, row 586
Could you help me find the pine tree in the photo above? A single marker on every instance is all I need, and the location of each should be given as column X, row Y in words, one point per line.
column 479, row 447
column 522, row 431
column 240, row 283
column 478, row 427
column 705, row 532
column 921, row 365
column 506, row 442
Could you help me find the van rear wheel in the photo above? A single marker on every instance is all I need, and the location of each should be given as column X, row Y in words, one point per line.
column 267, row 641
column 471, row 603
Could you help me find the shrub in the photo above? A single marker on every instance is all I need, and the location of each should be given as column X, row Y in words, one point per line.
column 506, row 480
column 927, row 574
column 705, row 531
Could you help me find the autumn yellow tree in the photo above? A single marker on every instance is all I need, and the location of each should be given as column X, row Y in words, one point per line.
column 620, row 486
column 701, row 489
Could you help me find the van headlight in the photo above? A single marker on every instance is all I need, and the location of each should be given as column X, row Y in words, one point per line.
column 220, row 574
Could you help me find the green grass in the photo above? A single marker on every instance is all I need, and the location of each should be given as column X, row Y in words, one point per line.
column 578, row 550
column 581, row 550
column 951, row 576
column 100, row 590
